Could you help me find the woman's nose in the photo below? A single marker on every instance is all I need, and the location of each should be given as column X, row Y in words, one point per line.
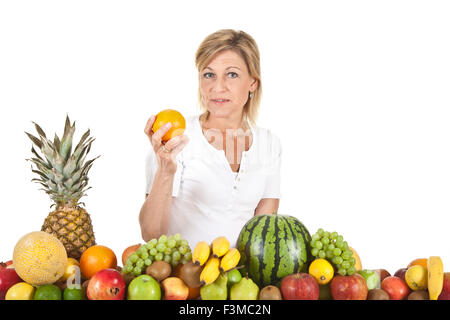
column 219, row 85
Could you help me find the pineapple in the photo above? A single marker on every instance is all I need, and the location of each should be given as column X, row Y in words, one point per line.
column 64, row 176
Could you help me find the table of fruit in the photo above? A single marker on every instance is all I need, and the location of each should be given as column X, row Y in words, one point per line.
column 274, row 258
column 283, row 262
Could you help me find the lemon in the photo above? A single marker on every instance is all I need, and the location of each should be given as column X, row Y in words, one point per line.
column 20, row 291
column 321, row 270
column 416, row 277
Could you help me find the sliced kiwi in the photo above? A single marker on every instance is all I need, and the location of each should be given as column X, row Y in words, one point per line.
column 377, row 294
column 190, row 274
column 159, row 270
column 270, row 293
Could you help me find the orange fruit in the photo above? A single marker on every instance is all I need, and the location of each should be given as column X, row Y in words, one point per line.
column 174, row 117
column 97, row 258
column 420, row 261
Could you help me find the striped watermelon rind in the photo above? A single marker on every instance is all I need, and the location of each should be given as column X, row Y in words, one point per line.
column 272, row 247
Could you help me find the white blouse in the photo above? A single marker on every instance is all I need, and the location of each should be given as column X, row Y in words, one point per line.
column 210, row 200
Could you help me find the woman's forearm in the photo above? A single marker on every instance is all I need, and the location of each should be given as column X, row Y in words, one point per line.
column 155, row 211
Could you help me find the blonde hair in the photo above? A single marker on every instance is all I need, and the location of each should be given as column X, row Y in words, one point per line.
column 243, row 44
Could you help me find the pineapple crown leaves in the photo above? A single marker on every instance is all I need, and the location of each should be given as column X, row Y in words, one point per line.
column 63, row 174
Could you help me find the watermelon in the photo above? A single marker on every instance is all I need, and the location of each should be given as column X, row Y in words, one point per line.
column 273, row 246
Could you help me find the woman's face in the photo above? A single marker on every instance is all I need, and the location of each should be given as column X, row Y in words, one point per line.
column 225, row 85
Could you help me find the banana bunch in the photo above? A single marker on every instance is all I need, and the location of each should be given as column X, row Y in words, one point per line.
column 216, row 258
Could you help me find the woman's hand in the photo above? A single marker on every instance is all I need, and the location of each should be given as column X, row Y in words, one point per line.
column 166, row 152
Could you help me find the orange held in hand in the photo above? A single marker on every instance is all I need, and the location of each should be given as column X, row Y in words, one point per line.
column 174, row 117
column 97, row 258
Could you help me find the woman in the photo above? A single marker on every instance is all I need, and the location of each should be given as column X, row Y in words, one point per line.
column 224, row 169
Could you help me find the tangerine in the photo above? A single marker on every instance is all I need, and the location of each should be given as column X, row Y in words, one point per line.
column 174, row 117
column 97, row 258
column 420, row 261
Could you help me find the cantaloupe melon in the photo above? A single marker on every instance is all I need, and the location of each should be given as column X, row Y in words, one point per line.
column 39, row 258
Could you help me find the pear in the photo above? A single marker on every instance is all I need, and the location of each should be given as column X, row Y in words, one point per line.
column 245, row 289
column 216, row 290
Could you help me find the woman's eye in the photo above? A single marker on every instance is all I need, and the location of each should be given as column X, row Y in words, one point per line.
column 232, row 74
column 208, row 75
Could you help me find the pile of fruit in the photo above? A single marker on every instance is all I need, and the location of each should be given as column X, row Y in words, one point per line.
column 275, row 256
column 41, row 270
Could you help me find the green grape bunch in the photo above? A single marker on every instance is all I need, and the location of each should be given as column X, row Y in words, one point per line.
column 171, row 249
column 332, row 247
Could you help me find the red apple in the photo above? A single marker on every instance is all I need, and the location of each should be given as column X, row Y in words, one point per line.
column 383, row 273
column 401, row 273
column 396, row 288
column 129, row 251
column 352, row 287
column 445, row 293
column 174, row 289
column 299, row 286
column 8, row 278
column 107, row 284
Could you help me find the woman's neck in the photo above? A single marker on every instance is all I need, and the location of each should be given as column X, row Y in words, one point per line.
column 222, row 124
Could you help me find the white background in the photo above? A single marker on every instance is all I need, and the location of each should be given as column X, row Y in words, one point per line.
column 358, row 92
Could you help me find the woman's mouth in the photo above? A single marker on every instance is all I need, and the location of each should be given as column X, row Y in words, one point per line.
column 220, row 101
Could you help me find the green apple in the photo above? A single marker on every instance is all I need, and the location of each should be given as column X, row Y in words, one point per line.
column 372, row 278
column 144, row 287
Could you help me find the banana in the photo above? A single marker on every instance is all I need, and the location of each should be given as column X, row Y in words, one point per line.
column 220, row 246
column 201, row 253
column 210, row 271
column 230, row 260
column 435, row 277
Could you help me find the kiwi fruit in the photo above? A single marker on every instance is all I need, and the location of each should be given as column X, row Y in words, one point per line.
column 190, row 274
column 128, row 278
column 270, row 293
column 159, row 270
column 419, row 295
column 377, row 294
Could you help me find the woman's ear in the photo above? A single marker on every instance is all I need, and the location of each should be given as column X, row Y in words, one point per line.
column 254, row 85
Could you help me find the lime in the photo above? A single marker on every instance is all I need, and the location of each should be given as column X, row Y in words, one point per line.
column 48, row 292
column 74, row 293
